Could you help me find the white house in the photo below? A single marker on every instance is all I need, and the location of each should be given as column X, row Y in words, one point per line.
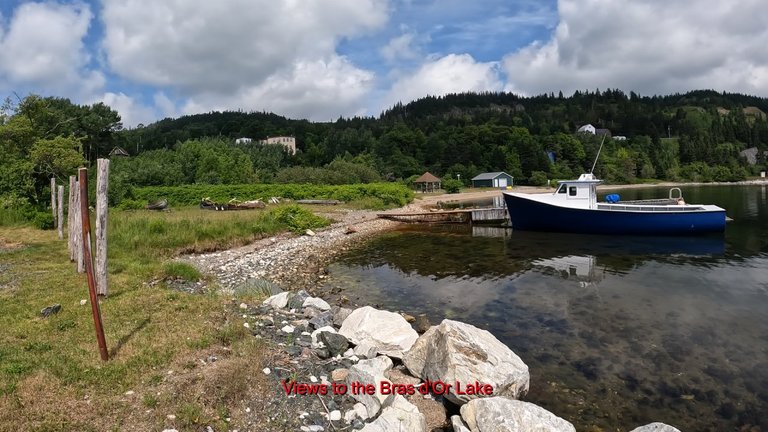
column 243, row 140
column 587, row 128
column 620, row 138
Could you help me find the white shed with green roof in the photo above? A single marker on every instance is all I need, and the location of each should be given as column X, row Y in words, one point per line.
column 492, row 179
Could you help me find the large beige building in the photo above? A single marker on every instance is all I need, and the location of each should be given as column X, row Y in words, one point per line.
column 288, row 142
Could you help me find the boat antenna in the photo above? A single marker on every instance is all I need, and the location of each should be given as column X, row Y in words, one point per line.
column 598, row 155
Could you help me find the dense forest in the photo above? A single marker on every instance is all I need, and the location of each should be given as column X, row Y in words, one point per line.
column 697, row 136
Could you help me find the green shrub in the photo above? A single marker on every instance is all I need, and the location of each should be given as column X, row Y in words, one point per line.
column 43, row 220
column 452, row 186
column 538, row 178
column 297, row 218
column 180, row 270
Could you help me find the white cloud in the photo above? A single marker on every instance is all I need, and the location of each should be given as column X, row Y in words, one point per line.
column 453, row 73
column 400, row 47
column 43, row 47
column 320, row 90
column 224, row 54
column 131, row 112
column 649, row 46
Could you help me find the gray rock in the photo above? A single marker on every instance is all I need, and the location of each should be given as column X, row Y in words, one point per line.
column 316, row 302
column 365, row 351
column 277, row 301
column 323, row 319
column 370, row 372
column 499, row 414
column 455, row 352
column 297, row 300
column 458, row 425
column 422, row 323
column 257, row 287
column 50, row 310
column 339, row 315
column 387, row 331
column 335, row 342
column 316, row 334
column 401, row 415
column 656, row 427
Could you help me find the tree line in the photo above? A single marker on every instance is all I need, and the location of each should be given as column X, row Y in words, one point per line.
column 693, row 136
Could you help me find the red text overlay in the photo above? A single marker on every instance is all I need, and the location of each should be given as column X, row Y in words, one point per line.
column 386, row 388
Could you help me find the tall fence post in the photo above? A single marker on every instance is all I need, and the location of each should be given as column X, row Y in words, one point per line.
column 86, row 241
column 71, row 226
column 53, row 199
column 60, row 208
column 102, row 185
column 78, row 219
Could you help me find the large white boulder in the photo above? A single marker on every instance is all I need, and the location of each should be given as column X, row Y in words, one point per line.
column 399, row 416
column 656, row 427
column 387, row 331
column 499, row 414
column 460, row 354
column 370, row 372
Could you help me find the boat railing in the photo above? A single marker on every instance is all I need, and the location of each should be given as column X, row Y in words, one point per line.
column 648, row 208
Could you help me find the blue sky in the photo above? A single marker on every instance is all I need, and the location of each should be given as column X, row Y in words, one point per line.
column 321, row 59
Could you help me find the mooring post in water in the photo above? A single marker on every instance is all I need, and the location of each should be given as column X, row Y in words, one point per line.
column 86, row 241
column 60, row 214
column 53, row 199
column 71, row 227
column 102, row 185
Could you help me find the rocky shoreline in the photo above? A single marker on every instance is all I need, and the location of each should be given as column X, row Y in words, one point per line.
column 316, row 348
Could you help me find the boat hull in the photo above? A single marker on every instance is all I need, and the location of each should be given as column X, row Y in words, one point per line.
column 531, row 215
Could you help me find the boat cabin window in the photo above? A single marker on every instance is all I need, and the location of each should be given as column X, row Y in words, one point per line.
column 572, row 191
column 562, row 189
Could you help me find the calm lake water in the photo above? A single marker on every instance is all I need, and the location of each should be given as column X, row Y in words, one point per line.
column 617, row 331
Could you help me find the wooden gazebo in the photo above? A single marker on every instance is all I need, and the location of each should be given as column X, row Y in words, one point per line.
column 427, row 183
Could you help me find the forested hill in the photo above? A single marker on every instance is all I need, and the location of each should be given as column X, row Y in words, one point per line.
column 667, row 137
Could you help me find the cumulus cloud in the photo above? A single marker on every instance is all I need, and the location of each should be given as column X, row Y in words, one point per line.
column 319, row 90
column 43, row 47
column 649, row 46
column 401, row 47
column 453, row 73
column 132, row 112
column 223, row 54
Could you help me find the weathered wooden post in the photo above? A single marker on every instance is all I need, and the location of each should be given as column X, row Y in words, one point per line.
column 102, row 185
column 53, row 199
column 86, row 242
column 78, row 219
column 71, row 230
column 60, row 208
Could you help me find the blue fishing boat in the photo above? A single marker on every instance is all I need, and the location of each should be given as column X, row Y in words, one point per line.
column 574, row 207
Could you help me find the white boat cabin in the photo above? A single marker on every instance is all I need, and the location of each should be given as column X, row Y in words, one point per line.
column 581, row 193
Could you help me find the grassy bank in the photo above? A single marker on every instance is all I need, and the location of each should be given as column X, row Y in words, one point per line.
column 380, row 194
column 160, row 339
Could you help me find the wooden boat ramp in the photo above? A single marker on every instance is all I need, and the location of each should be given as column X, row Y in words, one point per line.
column 496, row 215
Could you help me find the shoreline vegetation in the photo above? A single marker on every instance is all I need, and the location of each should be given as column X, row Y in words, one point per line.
column 181, row 356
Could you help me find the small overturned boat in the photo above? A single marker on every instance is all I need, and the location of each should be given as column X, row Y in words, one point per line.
column 157, row 205
column 574, row 208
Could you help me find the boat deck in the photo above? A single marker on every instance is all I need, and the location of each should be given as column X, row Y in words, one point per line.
column 629, row 206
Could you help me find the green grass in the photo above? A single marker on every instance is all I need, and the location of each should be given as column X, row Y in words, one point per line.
column 48, row 365
column 390, row 193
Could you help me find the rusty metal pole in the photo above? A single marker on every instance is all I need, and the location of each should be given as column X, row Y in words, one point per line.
column 85, row 218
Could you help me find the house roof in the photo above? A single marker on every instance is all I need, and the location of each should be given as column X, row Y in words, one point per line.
column 118, row 151
column 490, row 175
column 427, row 177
